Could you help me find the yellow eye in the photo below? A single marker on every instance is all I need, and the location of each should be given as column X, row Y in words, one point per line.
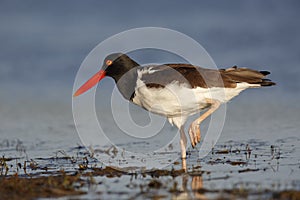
column 108, row 62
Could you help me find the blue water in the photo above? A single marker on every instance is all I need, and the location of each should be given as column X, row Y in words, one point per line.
column 42, row 44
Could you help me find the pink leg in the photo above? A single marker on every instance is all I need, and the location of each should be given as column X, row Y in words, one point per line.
column 184, row 164
column 194, row 130
column 183, row 142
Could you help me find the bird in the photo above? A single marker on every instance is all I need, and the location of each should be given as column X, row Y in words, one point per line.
column 178, row 90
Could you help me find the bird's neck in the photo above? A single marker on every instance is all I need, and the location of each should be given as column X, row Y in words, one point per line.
column 126, row 83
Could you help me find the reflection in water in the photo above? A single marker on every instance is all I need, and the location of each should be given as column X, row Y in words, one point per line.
column 191, row 185
column 191, row 188
column 197, row 185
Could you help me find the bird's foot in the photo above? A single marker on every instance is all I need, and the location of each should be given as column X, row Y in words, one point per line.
column 195, row 135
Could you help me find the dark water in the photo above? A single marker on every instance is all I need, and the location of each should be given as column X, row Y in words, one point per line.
column 43, row 44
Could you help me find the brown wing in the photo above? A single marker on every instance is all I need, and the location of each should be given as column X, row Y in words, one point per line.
column 186, row 73
column 200, row 77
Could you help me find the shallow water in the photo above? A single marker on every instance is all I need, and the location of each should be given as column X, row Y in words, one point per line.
column 253, row 168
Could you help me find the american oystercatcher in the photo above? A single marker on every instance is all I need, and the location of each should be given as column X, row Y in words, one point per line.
column 177, row 90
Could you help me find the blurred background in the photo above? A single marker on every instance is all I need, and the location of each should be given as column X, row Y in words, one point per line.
column 42, row 44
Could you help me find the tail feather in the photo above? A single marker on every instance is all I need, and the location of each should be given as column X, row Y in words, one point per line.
column 265, row 72
column 248, row 75
column 267, row 82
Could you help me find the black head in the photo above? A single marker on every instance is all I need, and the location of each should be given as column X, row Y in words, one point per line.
column 117, row 64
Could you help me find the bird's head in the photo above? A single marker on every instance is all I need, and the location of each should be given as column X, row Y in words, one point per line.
column 114, row 65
